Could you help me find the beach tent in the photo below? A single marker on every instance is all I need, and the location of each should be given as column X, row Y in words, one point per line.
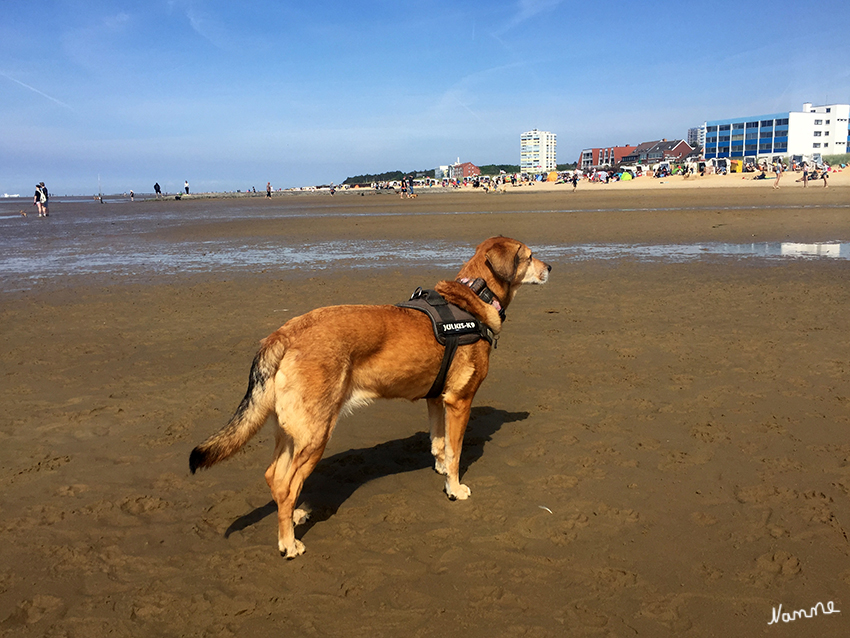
column 552, row 177
column 625, row 176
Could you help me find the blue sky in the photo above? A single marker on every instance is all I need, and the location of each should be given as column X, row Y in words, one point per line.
column 230, row 95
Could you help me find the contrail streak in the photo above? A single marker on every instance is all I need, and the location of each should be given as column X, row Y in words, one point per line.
column 35, row 90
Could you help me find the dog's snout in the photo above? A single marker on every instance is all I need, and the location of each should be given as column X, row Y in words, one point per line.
column 548, row 268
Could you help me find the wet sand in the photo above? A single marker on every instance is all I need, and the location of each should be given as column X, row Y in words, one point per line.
column 660, row 448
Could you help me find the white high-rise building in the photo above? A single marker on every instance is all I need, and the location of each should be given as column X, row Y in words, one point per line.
column 696, row 136
column 537, row 152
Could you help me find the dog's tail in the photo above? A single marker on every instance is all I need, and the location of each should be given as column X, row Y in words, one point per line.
column 252, row 411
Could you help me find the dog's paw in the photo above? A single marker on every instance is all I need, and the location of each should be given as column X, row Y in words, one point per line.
column 291, row 552
column 460, row 494
column 300, row 516
column 440, row 467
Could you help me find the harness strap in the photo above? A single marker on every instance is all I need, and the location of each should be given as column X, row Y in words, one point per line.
column 453, row 327
column 448, row 356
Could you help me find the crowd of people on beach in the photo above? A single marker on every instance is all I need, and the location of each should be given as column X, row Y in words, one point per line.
column 496, row 184
column 809, row 171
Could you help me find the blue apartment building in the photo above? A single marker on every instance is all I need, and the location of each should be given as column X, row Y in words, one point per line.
column 814, row 130
column 747, row 136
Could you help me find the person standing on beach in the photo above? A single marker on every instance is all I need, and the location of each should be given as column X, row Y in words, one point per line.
column 186, row 186
column 777, row 168
column 40, row 199
column 132, row 196
column 157, row 190
column 269, row 190
column 825, row 176
column 805, row 174
column 574, row 180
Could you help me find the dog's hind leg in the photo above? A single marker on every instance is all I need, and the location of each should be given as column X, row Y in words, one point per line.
column 437, row 419
column 295, row 458
column 457, row 417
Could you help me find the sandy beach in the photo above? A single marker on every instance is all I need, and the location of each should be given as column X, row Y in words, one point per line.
column 660, row 448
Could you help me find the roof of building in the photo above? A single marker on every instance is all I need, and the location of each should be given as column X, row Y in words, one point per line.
column 667, row 145
column 645, row 147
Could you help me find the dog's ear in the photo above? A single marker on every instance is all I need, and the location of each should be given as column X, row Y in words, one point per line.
column 504, row 260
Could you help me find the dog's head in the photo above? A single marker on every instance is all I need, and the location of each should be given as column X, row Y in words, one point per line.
column 513, row 262
column 505, row 264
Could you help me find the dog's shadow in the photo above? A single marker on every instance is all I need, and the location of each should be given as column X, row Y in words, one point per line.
column 337, row 477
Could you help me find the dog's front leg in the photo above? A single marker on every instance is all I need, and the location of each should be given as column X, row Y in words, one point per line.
column 457, row 416
column 437, row 418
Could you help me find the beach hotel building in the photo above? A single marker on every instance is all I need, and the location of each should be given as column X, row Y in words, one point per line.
column 460, row 170
column 591, row 158
column 645, row 153
column 815, row 129
column 537, row 152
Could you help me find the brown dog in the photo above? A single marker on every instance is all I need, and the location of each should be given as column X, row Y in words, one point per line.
column 334, row 359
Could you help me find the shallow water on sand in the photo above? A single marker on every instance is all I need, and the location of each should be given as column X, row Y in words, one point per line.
column 122, row 247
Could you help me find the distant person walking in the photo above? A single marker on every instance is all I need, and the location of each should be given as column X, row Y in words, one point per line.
column 186, row 186
column 574, row 180
column 157, row 190
column 269, row 190
column 132, row 196
column 40, row 199
column 825, row 176
column 805, row 174
column 777, row 168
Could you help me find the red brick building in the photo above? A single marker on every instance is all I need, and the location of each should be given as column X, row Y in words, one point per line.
column 467, row 169
column 608, row 156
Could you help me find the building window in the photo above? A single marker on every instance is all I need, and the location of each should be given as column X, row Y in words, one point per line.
column 782, row 122
column 827, row 121
column 752, row 124
column 828, row 110
column 724, row 127
column 825, row 133
column 817, row 133
column 818, row 122
column 766, row 123
column 816, row 145
column 825, row 144
column 737, row 125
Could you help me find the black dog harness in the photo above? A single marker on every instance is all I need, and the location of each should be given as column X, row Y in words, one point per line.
column 453, row 326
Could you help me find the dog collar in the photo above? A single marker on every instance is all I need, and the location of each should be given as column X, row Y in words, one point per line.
column 479, row 287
